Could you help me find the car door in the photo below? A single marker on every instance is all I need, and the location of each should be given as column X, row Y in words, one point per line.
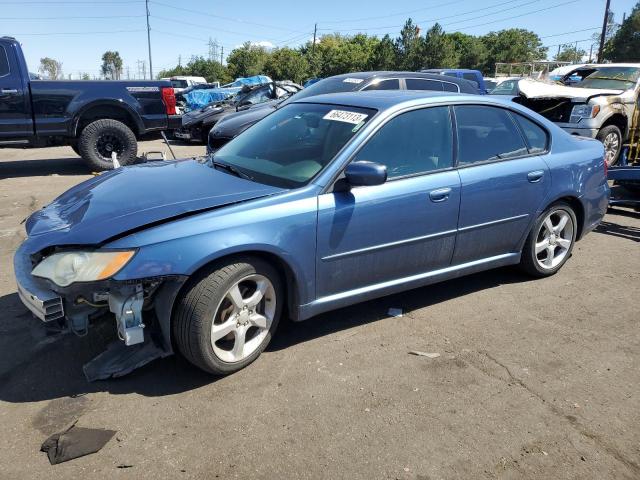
column 15, row 116
column 504, row 182
column 406, row 226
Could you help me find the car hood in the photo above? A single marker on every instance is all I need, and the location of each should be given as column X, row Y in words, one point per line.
column 128, row 198
column 237, row 122
column 538, row 90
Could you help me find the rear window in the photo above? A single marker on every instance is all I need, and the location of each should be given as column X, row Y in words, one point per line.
column 391, row 84
column 470, row 76
column 4, row 62
column 179, row 83
column 328, row 85
column 421, row 84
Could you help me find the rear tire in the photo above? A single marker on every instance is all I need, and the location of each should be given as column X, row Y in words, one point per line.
column 611, row 138
column 550, row 241
column 100, row 138
column 227, row 316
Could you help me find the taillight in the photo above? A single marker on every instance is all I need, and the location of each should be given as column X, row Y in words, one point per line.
column 169, row 99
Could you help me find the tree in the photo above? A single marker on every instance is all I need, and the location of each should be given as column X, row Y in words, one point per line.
column 85, row 76
column 512, row 45
column 409, row 47
column 625, row 44
column 111, row 65
column 287, row 64
column 247, row 61
column 570, row 53
column 50, row 68
column 439, row 51
column 470, row 50
column 384, row 55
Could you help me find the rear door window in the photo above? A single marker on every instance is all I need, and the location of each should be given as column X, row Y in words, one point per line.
column 391, row 84
column 421, row 84
column 450, row 87
column 535, row 135
column 4, row 62
column 486, row 134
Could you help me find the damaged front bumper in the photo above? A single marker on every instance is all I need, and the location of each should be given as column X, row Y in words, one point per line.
column 142, row 311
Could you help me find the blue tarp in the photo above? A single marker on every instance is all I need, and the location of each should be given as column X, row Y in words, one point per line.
column 201, row 98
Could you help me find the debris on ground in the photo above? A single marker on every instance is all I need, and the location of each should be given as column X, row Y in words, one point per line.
column 395, row 312
column 75, row 442
column 424, row 354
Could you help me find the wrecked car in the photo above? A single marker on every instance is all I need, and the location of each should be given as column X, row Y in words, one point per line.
column 598, row 104
column 328, row 201
column 196, row 124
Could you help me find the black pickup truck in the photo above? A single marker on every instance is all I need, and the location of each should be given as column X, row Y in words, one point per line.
column 96, row 118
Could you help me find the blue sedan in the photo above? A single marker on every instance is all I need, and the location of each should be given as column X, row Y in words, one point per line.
column 328, row 201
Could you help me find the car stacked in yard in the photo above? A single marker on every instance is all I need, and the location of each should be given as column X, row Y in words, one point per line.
column 328, row 201
column 599, row 103
column 236, row 123
column 98, row 119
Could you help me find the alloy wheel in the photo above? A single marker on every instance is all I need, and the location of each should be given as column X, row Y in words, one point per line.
column 243, row 318
column 108, row 143
column 611, row 147
column 554, row 239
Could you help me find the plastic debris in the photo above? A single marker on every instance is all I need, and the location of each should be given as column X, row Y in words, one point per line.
column 75, row 442
column 395, row 312
column 424, row 354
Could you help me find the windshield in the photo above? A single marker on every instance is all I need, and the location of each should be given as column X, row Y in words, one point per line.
column 508, row 87
column 328, row 85
column 293, row 144
column 179, row 83
column 615, row 78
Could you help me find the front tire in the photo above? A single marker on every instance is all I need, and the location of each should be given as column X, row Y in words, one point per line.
column 550, row 241
column 227, row 316
column 611, row 138
column 101, row 138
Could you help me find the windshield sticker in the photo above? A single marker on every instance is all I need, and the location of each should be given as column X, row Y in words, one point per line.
column 345, row 116
column 353, row 80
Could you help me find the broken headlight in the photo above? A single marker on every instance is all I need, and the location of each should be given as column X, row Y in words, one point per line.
column 583, row 111
column 65, row 268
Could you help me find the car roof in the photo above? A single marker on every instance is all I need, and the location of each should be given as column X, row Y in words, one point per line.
column 392, row 74
column 384, row 99
column 449, row 70
column 604, row 65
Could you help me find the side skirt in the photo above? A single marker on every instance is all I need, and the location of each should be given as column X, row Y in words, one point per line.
column 362, row 294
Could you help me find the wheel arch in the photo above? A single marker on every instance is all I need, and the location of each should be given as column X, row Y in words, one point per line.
column 575, row 203
column 620, row 121
column 286, row 271
column 112, row 110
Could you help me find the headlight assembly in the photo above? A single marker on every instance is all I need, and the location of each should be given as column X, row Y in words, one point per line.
column 578, row 112
column 65, row 268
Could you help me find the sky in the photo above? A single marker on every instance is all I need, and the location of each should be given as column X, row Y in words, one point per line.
column 78, row 32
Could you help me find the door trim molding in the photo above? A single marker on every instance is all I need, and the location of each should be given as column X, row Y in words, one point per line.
column 493, row 222
column 383, row 246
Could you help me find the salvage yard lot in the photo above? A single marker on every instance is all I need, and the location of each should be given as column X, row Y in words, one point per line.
column 535, row 378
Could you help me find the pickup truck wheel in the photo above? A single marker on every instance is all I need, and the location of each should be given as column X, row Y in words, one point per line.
column 611, row 138
column 227, row 316
column 100, row 138
column 550, row 241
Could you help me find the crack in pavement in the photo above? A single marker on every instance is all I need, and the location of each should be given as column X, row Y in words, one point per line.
column 570, row 419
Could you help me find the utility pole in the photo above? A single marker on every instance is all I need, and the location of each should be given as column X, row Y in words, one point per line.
column 558, row 51
column 149, row 42
column 221, row 54
column 576, row 51
column 315, row 32
column 604, row 32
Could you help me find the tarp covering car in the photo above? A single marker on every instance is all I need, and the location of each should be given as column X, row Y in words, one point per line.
column 203, row 97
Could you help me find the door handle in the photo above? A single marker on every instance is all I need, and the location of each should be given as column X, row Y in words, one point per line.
column 535, row 177
column 440, row 195
column 8, row 91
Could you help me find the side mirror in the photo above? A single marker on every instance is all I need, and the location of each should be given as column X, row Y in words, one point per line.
column 364, row 173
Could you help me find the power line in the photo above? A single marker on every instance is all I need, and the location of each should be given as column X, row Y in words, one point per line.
column 206, row 27
column 567, row 33
column 406, row 12
column 75, row 33
column 82, row 2
column 225, row 18
column 72, row 17
column 449, row 16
